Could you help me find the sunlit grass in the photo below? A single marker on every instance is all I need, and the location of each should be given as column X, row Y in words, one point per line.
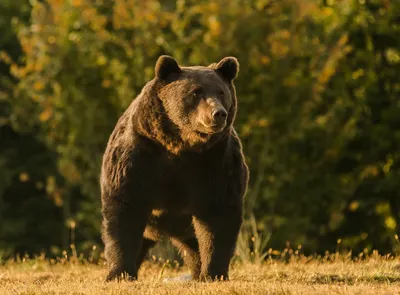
column 333, row 273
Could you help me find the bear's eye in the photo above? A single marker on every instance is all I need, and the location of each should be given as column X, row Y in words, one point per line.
column 221, row 93
column 197, row 92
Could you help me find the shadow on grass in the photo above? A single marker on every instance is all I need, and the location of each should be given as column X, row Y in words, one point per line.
column 350, row 280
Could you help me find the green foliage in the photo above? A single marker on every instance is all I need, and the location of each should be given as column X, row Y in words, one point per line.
column 318, row 106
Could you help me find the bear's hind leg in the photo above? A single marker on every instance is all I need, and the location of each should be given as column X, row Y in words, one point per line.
column 180, row 230
column 189, row 250
column 147, row 244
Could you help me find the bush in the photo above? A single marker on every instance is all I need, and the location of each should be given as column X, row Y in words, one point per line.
column 318, row 109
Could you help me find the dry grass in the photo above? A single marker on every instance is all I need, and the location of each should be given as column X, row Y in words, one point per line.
column 374, row 275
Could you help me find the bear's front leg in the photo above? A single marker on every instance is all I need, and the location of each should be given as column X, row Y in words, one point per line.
column 123, row 227
column 217, row 232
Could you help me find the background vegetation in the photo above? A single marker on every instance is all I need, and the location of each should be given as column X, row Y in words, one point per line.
column 319, row 112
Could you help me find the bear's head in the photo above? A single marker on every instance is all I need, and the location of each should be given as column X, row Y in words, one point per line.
column 200, row 101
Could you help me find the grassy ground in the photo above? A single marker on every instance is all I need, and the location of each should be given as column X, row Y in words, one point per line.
column 374, row 275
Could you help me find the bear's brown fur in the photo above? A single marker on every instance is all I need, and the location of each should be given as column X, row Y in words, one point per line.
column 174, row 167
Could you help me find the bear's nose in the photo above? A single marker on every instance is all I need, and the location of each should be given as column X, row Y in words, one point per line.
column 219, row 115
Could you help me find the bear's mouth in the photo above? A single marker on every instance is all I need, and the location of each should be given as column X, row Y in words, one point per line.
column 213, row 128
column 202, row 134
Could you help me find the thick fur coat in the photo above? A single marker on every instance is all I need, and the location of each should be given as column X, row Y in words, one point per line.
column 174, row 167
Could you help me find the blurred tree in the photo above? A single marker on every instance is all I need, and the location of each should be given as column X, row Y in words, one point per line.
column 369, row 81
column 318, row 96
column 25, row 210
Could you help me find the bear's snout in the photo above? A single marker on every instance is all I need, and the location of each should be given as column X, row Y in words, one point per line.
column 215, row 118
column 217, row 113
column 219, row 116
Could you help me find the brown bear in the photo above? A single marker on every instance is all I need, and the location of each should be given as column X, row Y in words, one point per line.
column 174, row 167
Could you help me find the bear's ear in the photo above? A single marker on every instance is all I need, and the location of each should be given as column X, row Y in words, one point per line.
column 166, row 66
column 228, row 68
